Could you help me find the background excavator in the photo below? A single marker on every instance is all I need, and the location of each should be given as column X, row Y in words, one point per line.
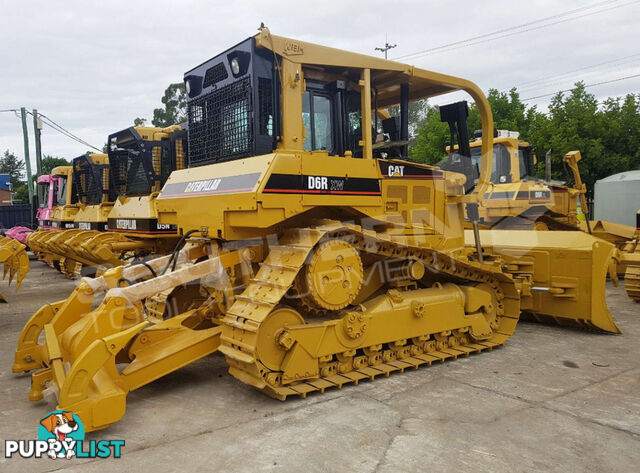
column 320, row 260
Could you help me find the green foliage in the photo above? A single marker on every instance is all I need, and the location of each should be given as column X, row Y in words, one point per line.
column 21, row 194
column 175, row 106
column 50, row 162
column 139, row 121
column 607, row 135
column 12, row 165
column 433, row 136
column 417, row 112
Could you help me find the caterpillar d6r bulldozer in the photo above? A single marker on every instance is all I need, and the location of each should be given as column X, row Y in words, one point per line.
column 319, row 257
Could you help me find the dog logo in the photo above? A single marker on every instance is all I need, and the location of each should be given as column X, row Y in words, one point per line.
column 61, row 429
column 61, row 435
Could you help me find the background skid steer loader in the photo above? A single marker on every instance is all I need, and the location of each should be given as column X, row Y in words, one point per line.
column 322, row 260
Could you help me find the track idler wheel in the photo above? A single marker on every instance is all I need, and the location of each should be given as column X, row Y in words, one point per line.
column 272, row 341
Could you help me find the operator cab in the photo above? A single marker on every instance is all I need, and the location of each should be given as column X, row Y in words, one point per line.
column 513, row 159
column 61, row 195
column 142, row 158
column 90, row 176
column 42, row 191
column 234, row 102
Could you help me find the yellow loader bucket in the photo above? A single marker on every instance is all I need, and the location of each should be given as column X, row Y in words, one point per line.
column 16, row 261
column 567, row 272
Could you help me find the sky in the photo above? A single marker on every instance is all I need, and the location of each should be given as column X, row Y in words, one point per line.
column 93, row 67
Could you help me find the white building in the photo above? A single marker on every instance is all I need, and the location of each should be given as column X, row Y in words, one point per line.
column 617, row 198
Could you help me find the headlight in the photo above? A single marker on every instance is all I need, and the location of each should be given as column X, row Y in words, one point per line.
column 187, row 86
column 235, row 66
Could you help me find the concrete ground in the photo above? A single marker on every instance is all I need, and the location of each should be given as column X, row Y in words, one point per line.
column 552, row 399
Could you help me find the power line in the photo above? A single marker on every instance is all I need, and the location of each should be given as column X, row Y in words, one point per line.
column 506, row 32
column 531, row 29
column 588, row 85
column 60, row 129
column 593, row 66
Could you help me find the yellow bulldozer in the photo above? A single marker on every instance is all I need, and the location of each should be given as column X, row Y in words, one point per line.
column 516, row 199
column 89, row 206
column 115, row 193
column 311, row 255
column 140, row 161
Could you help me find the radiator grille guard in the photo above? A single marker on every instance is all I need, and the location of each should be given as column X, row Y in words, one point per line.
column 129, row 173
column 221, row 124
column 88, row 180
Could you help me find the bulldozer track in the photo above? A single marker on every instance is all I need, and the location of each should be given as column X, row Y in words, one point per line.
column 632, row 282
column 276, row 275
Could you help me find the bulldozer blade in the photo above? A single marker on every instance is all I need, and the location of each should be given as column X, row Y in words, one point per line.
column 16, row 261
column 118, row 332
column 565, row 272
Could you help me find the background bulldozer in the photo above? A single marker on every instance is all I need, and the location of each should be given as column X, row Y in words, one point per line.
column 308, row 257
column 516, row 199
column 93, row 200
column 140, row 161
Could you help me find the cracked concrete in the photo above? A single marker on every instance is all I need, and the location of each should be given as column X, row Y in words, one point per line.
column 553, row 399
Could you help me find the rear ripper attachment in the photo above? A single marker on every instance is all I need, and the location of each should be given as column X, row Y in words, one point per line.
column 312, row 255
column 13, row 255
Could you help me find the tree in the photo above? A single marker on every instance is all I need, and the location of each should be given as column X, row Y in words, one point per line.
column 175, row 106
column 432, row 138
column 12, row 165
column 509, row 113
column 21, row 194
column 417, row 113
column 139, row 121
column 50, row 162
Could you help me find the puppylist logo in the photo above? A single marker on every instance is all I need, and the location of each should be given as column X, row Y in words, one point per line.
column 61, row 436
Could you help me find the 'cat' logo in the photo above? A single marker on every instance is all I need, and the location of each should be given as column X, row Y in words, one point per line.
column 396, row 170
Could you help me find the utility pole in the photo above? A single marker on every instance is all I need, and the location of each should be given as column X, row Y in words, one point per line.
column 25, row 135
column 387, row 47
column 37, row 127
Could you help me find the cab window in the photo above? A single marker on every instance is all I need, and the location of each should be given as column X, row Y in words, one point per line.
column 501, row 167
column 61, row 198
column 526, row 162
column 316, row 116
